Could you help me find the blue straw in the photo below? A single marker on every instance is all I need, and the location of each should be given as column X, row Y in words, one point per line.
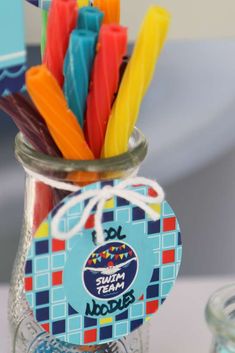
column 90, row 18
column 77, row 69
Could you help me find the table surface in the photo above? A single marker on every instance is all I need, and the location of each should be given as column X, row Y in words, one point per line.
column 178, row 327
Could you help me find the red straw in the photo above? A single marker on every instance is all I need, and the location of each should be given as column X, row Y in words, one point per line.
column 104, row 83
column 61, row 21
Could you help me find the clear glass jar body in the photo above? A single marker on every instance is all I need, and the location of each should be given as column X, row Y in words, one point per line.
column 220, row 316
column 48, row 180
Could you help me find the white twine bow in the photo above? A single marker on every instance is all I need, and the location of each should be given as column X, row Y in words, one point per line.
column 98, row 197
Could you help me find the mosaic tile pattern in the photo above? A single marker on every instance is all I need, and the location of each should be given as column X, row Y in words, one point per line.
column 47, row 257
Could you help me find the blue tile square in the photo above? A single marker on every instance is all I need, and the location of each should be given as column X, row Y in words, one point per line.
column 58, row 294
column 58, row 311
column 106, row 332
column 121, row 329
column 167, row 210
column 74, row 337
column 157, row 241
column 168, row 241
column 29, row 267
column 63, row 225
column 122, row 316
column 168, row 272
column 42, row 314
column 155, row 276
column 107, row 217
column 75, row 323
column 179, row 238
column 106, row 183
column 165, row 288
column 71, row 310
column 41, row 247
column 137, row 310
column 153, row 291
column 122, row 202
column 58, row 327
column 138, row 214
column 136, row 323
column 42, row 264
column 42, row 298
column 179, row 254
column 42, row 281
column 123, row 215
column 58, row 261
column 157, row 258
column 89, row 322
column 154, row 227
column 30, row 298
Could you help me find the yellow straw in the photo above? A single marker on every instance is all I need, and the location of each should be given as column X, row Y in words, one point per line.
column 136, row 80
column 82, row 3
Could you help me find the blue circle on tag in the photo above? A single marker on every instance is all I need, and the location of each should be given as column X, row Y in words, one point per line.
column 110, row 270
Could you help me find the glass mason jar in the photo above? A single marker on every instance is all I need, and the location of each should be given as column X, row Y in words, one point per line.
column 48, row 180
column 220, row 316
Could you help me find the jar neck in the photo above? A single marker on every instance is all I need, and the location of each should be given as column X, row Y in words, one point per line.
column 50, row 179
column 220, row 315
column 83, row 172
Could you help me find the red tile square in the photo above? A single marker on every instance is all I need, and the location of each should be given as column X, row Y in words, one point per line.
column 28, row 284
column 57, row 278
column 169, row 224
column 152, row 192
column 46, row 327
column 90, row 336
column 90, row 223
column 151, row 307
column 168, row 256
column 58, row 245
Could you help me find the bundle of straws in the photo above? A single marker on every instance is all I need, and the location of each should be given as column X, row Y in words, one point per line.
column 86, row 95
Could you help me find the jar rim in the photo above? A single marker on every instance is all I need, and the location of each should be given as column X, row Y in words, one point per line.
column 38, row 161
column 218, row 313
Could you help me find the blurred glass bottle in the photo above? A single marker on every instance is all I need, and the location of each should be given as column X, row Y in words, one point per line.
column 48, row 180
column 220, row 316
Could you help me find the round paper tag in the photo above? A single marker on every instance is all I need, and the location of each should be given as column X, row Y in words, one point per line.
column 83, row 293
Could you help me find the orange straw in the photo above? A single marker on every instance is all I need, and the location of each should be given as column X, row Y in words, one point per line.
column 111, row 10
column 51, row 103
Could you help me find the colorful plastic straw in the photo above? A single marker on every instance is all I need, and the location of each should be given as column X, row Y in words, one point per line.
column 62, row 20
column 82, row 3
column 136, row 80
column 90, row 18
column 61, row 122
column 30, row 123
column 111, row 10
column 104, row 83
column 44, row 31
column 77, row 70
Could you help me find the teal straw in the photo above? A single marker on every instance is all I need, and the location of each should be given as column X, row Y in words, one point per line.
column 90, row 18
column 77, row 69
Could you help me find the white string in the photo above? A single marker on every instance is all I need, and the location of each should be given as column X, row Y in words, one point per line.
column 99, row 197
column 60, row 185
